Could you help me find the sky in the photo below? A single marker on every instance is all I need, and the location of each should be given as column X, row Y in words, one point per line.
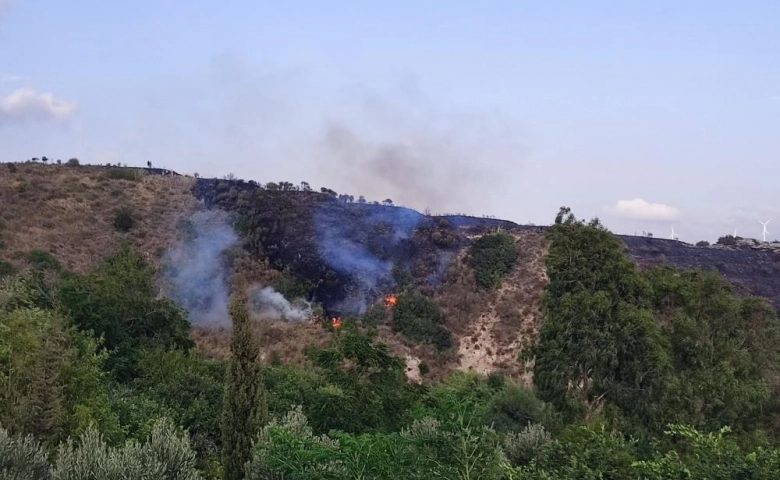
column 647, row 115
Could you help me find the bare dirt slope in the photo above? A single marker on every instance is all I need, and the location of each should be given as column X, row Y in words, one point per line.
column 69, row 211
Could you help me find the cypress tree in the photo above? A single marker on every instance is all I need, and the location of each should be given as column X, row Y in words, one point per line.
column 245, row 408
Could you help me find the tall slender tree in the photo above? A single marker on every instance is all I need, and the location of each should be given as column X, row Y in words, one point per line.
column 245, row 407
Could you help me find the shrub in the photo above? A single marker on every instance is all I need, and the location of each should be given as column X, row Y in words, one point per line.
column 124, row 221
column 43, row 260
column 73, row 162
column 419, row 319
column 521, row 447
column 6, row 269
column 12, row 167
column 702, row 243
column 493, row 256
column 727, row 240
column 119, row 173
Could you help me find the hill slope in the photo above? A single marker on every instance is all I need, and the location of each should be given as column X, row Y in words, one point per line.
column 342, row 255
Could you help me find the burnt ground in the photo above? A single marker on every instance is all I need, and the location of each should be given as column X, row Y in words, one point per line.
column 345, row 251
column 753, row 271
column 346, row 254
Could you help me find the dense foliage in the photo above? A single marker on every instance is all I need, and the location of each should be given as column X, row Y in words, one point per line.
column 493, row 256
column 638, row 375
column 420, row 319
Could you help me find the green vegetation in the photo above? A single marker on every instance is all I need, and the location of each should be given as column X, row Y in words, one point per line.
column 419, row 319
column 649, row 349
column 493, row 256
column 638, row 374
column 125, row 173
column 244, row 408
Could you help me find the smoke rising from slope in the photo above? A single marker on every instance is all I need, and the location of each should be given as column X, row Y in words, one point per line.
column 267, row 303
column 420, row 156
column 195, row 274
column 344, row 247
column 272, row 124
column 195, row 271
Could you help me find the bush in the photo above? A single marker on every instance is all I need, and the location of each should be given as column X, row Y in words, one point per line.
column 124, row 221
column 43, row 260
column 6, row 269
column 419, row 319
column 727, row 240
column 119, row 173
column 493, row 256
column 702, row 243
column 12, row 167
column 73, row 162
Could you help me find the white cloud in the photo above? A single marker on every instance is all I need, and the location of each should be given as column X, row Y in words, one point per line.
column 27, row 104
column 640, row 209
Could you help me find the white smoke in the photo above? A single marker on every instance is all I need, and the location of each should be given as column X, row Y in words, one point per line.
column 269, row 304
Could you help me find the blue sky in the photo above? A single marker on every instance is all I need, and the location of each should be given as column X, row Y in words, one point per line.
column 646, row 114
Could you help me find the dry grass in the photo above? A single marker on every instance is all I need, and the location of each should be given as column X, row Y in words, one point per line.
column 491, row 327
column 69, row 211
column 287, row 339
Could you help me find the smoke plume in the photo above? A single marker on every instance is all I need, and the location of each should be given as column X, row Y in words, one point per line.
column 267, row 303
column 344, row 247
column 195, row 271
column 195, row 274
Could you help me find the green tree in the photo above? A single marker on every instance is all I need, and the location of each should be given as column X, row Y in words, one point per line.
column 599, row 345
column 118, row 300
column 244, row 408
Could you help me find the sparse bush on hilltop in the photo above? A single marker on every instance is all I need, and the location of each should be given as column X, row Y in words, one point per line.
column 122, row 173
column 702, row 243
column 73, row 162
column 728, row 240
column 493, row 256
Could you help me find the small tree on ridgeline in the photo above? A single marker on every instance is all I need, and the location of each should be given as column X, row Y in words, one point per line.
column 245, row 407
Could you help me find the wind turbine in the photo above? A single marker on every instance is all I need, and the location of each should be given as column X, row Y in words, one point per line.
column 673, row 235
column 764, row 232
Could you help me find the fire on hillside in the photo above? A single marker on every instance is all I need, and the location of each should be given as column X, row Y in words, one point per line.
column 390, row 301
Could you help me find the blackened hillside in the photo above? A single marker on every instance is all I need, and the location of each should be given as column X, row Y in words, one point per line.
column 350, row 253
column 346, row 251
column 754, row 271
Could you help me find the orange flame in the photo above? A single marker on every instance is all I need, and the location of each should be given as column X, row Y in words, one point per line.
column 390, row 301
column 336, row 322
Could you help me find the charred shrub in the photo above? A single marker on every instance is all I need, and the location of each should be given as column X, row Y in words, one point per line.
column 493, row 256
column 419, row 319
column 6, row 269
column 123, row 220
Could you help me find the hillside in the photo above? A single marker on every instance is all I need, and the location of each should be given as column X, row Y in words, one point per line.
column 344, row 256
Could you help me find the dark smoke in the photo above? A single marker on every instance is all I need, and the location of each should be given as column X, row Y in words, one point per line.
column 420, row 156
